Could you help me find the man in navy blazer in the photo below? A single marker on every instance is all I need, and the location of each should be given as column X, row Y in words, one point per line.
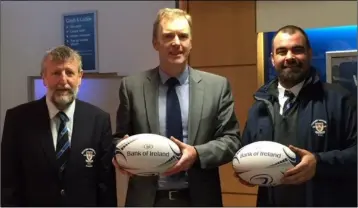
column 57, row 151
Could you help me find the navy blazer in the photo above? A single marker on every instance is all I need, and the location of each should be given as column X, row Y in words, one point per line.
column 29, row 175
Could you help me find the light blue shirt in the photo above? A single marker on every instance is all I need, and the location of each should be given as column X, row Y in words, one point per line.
column 182, row 91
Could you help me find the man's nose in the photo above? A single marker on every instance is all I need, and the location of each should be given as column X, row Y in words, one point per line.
column 63, row 78
column 289, row 55
column 176, row 40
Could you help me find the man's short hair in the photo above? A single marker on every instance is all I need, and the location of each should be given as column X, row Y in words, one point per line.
column 61, row 54
column 292, row 29
column 169, row 14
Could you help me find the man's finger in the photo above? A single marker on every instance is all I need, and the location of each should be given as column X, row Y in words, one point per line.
column 125, row 172
column 172, row 170
column 236, row 175
column 121, row 139
column 114, row 162
column 295, row 170
column 297, row 150
column 294, row 179
column 246, row 183
column 116, row 165
column 176, row 141
column 176, row 168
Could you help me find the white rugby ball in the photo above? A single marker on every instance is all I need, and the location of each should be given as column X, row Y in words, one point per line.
column 147, row 154
column 263, row 163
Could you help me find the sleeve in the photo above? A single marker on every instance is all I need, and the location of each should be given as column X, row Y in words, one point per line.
column 342, row 162
column 227, row 134
column 107, row 177
column 10, row 164
column 246, row 134
column 123, row 126
column 249, row 132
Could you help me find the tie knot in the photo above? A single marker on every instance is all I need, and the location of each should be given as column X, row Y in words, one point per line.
column 289, row 94
column 172, row 82
column 63, row 117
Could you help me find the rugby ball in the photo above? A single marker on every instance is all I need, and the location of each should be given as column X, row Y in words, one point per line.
column 147, row 154
column 263, row 163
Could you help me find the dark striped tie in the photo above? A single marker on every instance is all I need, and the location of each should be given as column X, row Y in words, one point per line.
column 63, row 143
column 289, row 102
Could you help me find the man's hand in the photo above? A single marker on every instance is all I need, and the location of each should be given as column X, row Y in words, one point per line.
column 303, row 171
column 125, row 137
column 189, row 155
column 236, row 175
column 116, row 165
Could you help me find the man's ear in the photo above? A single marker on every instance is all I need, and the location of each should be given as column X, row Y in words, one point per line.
column 310, row 53
column 80, row 77
column 43, row 79
column 155, row 44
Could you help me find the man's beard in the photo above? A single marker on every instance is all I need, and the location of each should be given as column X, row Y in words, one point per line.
column 61, row 100
column 292, row 75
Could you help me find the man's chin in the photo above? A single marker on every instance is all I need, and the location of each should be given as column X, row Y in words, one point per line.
column 291, row 77
column 177, row 60
column 62, row 93
column 62, row 102
column 292, row 70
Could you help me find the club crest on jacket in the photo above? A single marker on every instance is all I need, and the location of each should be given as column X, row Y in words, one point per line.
column 319, row 126
column 89, row 155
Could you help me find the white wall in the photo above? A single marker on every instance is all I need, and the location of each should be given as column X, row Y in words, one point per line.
column 29, row 28
column 271, row 15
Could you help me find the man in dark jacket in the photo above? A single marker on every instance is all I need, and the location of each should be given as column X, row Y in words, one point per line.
column 318, row 121
column 57, row 151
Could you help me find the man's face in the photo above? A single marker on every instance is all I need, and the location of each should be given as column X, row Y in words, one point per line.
column 291, row 57
column 173, row 41
column 62, row 80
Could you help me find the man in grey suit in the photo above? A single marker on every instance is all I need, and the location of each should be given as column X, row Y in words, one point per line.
column 193, row 108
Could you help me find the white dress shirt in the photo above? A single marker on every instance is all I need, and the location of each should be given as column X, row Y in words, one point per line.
column 55, row 121
column 281, row 93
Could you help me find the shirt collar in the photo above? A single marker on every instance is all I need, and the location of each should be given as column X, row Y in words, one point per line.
column 295, row 89
column 53, row 111
column 182, row 78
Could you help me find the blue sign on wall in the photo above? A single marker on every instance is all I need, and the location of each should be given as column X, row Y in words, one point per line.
column 80, row 34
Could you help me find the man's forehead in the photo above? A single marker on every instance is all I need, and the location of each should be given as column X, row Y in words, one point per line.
column 56, row 60
column 283, row 39
column 69, row 63
column 175, row 25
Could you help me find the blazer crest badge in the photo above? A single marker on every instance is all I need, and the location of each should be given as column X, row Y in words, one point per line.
column 89, row 155
column 319, row 126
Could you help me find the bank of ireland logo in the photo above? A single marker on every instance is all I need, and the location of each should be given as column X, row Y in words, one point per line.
column 148, row 146
column 319, row 126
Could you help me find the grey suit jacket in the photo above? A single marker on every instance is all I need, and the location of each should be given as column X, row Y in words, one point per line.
column 213, row 131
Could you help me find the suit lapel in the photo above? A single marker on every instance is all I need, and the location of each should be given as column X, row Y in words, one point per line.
column 80, row 128
column 45, row 132
column 151, row 100
column 196, row 96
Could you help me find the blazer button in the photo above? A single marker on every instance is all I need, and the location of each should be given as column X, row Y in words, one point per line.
column 62, row 192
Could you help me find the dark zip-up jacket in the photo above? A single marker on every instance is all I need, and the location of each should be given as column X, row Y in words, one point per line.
column 333, row 141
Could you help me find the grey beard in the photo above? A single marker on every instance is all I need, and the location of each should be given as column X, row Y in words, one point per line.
column 63, row 102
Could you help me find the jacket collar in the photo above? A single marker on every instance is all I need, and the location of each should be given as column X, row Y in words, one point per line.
column 269, row 92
